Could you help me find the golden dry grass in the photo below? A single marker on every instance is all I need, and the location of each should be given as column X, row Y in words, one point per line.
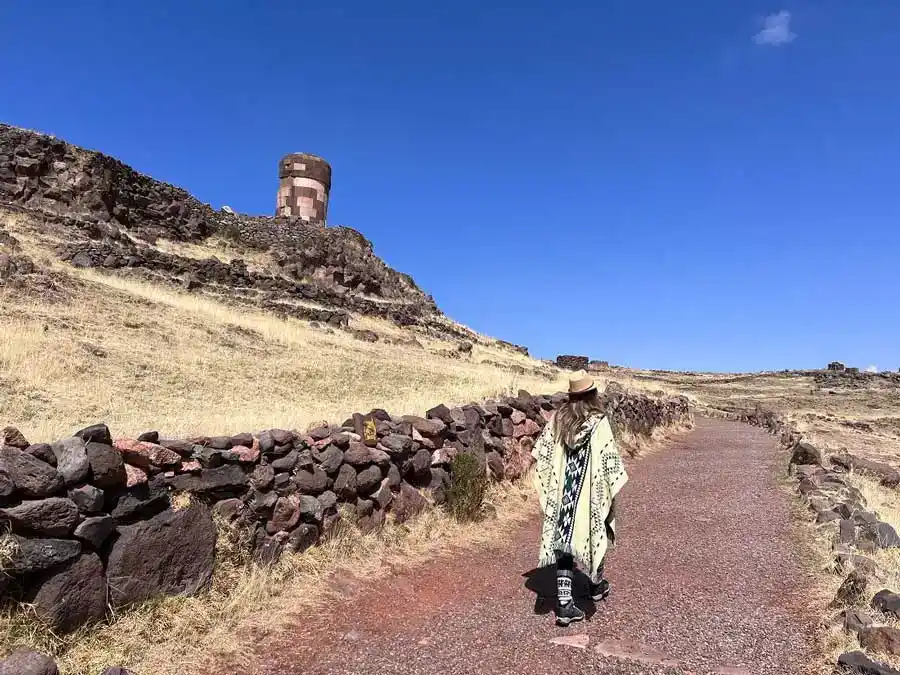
column 222, row 248
column 883, row 502
column 140, row 356
column 826, row 414
column 813, row 551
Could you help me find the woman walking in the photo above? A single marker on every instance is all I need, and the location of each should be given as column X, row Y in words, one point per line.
column 579, row 473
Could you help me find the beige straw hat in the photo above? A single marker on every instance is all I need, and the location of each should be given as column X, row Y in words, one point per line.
column 581, row 383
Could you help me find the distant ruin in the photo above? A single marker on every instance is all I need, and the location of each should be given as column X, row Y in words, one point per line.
column 572, row 362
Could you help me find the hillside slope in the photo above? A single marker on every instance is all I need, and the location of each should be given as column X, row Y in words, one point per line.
column 126, row 300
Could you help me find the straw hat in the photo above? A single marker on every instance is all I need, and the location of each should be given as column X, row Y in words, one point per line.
column 581, row 383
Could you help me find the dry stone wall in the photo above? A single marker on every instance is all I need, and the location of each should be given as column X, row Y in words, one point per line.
column 94, row 520
column 571, row 362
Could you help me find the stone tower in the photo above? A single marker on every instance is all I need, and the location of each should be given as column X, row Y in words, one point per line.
column 304, row 182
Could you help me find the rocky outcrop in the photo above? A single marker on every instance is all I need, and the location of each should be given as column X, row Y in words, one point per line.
column 112, row 527
column 838, row 375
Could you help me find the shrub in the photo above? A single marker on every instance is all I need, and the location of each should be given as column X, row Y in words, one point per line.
column 465, row 497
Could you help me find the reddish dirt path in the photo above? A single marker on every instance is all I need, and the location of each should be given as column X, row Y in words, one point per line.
column 706, row 575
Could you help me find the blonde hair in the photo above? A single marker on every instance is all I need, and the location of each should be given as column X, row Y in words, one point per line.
column 573, row 414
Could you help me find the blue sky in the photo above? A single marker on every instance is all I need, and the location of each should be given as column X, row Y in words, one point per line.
column 703, row 185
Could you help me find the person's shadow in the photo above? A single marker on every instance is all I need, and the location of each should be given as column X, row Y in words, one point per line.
column 542, row 582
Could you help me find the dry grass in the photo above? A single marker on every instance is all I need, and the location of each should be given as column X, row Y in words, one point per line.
column 813, row 551
column 217, row 247
column 883, row 502
column 8, row 549
column 140, row 356
column 826, row 414
column 176, row 635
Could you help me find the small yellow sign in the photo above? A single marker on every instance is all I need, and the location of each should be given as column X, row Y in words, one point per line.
column 370, row 433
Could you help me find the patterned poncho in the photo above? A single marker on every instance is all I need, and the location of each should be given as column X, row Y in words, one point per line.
column 576, row 487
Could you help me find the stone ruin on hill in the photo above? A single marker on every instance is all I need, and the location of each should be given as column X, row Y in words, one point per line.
column 837, row 374
column 95, row 520
column 570, row 362
column 109, row 216
column 304, row 186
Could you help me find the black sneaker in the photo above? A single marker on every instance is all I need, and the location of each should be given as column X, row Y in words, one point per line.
column 600, row 591
column 569, row 613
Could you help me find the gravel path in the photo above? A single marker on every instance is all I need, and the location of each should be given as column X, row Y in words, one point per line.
column 705, row 580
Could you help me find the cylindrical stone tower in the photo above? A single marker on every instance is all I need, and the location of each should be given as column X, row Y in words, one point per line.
column 304, row 182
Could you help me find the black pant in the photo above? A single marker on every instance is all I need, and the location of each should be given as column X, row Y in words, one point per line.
column 566, row 563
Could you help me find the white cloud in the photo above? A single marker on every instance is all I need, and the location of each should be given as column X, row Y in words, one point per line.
column 872, row 369
column 776, row 31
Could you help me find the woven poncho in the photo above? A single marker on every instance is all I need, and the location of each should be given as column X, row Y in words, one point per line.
column 576, row 487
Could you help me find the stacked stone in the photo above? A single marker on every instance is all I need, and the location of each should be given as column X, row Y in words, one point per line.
column 570, row 362
column 47, row 173
column 92, row 518
column 87, row 518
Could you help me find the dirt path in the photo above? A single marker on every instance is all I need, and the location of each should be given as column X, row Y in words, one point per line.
column 705, row 580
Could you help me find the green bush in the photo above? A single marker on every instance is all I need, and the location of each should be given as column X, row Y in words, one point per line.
column 469, row 482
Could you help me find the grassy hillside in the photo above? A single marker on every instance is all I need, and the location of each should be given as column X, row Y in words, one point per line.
column 139, row 355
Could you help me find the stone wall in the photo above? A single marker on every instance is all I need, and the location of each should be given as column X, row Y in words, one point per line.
column 91, row 518
column 570, row 362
